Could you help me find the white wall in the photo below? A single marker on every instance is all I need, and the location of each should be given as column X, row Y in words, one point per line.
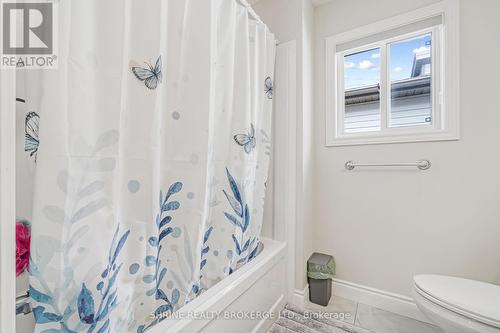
column 7, row 197
column 282, row 18
column 293, row 20
column 384, row 226
column 306, row 145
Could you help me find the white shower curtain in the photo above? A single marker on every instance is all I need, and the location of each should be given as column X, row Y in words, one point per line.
column 153, row 157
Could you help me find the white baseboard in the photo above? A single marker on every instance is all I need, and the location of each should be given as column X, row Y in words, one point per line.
column 399, row 304
column 395, row 303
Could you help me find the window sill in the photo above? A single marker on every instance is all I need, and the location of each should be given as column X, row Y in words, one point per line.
column 371, row 139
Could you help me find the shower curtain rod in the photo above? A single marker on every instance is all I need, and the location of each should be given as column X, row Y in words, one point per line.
column 254, row 15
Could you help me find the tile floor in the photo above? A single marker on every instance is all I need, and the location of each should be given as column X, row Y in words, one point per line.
column 373, row 319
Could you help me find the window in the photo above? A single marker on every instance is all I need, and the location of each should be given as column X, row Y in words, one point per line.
column 397, row 84
column 410, row 78
column 362, row 91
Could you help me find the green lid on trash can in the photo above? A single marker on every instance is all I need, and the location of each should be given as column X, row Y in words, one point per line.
column 321, row 266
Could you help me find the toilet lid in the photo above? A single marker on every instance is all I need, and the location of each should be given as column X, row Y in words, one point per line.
column 473, row 299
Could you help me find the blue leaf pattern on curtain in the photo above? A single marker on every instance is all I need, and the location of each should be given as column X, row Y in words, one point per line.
column 85, row 303
column 160, row 270
column 244, row 246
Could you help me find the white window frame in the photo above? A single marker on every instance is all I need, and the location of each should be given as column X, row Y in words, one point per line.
column 445, row 79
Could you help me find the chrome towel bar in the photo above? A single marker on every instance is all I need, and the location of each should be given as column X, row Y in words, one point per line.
column 422, row 164
column 23, row 306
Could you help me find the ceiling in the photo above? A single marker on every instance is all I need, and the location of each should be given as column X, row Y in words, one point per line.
column 319, row 2
column 314, row 2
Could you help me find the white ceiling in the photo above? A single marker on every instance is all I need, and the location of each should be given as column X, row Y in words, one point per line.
column 320, row 2
column 314, row 2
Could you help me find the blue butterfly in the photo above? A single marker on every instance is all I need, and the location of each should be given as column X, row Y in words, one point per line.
column 31, row 126
column 268, row 83
column 151, row 75
column 247, row 141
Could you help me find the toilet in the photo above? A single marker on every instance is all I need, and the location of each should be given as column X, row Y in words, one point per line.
column 458, row 305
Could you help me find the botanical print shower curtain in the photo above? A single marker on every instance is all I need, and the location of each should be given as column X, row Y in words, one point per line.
column 152, row 162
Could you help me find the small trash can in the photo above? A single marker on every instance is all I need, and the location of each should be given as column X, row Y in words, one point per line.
column 320, row 272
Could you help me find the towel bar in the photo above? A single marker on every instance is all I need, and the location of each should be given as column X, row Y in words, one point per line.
column 422, row 164
column 23, row 306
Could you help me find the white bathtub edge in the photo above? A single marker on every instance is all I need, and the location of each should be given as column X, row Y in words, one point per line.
column 261, row 326
column 226, row 291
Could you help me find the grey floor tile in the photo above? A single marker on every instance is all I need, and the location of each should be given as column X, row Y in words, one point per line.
column 346, row 309
column 381, row 321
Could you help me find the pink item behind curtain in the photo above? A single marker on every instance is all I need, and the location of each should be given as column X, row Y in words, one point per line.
column 23, row 236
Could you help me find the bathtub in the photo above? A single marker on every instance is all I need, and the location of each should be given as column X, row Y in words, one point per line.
column 257, row 287
column 247, row 301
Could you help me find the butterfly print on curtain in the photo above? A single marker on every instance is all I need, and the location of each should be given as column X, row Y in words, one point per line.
column 151, row 75
column 31, row 127
column 268, row 84
column 247, row 141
